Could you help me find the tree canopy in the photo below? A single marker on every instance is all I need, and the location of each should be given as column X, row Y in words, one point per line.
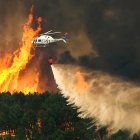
column 48, row 117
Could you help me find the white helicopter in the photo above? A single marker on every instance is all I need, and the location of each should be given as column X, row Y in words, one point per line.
column 44, row 39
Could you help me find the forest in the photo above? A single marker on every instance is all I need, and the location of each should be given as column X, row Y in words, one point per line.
column 48, row 117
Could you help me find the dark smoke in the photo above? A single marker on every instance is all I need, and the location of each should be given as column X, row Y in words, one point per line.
column 111, row 27
column 12, row 18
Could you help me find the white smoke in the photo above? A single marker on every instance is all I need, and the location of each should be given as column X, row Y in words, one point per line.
column 110, row 100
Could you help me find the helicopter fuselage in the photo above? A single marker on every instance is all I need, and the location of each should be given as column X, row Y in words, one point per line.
column 45, row 40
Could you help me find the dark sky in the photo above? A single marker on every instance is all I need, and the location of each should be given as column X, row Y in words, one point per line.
column 103, row 35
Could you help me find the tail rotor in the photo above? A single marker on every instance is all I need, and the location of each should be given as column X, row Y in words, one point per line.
column 65, row 37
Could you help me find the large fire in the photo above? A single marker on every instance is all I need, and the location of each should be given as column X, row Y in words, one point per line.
column 12, row 66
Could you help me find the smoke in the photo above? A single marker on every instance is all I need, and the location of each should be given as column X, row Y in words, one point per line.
column 113, row 28
column 112, row 101
column 12, row 19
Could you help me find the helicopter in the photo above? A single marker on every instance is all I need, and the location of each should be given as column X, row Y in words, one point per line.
column 42, row 40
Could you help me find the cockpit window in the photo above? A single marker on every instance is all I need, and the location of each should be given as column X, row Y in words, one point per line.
column 39, row 40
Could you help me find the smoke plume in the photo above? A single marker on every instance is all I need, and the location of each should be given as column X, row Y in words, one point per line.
column 112, row 101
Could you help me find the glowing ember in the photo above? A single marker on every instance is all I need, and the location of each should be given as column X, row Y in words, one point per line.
column 10, row 70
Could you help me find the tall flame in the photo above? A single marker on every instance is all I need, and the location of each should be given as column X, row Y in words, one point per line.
column 9, row 75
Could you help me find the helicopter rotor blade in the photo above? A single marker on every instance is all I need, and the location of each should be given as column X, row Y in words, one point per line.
column 54, row 33
column 46, row 33
column 49, row 33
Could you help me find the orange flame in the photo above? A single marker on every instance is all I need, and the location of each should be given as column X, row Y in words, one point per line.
column 9, row 75
column 81, row 83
